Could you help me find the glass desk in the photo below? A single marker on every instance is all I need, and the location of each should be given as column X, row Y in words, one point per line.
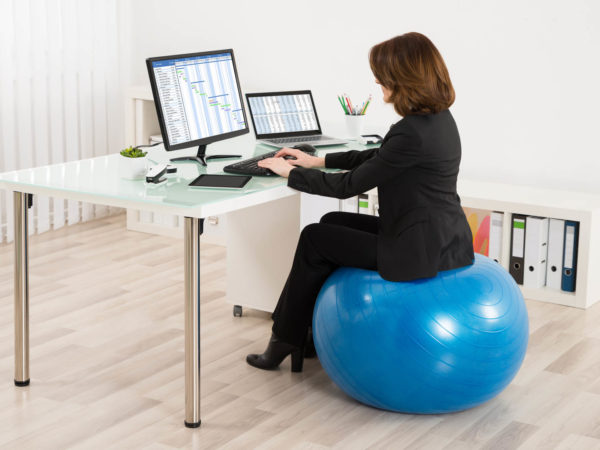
column 97, row 180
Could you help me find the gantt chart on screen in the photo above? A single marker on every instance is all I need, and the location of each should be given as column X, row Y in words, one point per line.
column 283, row 113
column 199, row 97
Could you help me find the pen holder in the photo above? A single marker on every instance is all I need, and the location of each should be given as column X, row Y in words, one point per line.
column 354, row 125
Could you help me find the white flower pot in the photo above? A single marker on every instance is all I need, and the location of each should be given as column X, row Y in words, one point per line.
column 132, row 168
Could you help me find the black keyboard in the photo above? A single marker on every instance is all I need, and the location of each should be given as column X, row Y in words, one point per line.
column 250, row 166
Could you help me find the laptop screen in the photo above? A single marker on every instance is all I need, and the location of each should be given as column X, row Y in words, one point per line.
column 277, row 114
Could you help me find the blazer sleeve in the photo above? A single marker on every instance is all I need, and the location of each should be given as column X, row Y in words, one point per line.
column 348, row 160
column 398, row 153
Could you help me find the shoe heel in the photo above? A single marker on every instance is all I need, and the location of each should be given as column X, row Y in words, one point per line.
column 297, row 359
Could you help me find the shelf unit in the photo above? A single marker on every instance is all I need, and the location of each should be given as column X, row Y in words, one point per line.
column 558, row 204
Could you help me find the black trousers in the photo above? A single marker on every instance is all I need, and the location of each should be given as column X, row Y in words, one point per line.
column 340, row 239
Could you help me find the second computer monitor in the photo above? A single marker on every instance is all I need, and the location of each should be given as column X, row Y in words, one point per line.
column 198, row 98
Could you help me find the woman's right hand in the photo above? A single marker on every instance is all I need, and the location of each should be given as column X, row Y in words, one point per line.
column 302, row 159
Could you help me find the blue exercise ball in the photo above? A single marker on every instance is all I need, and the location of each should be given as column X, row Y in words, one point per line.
column 428, row 346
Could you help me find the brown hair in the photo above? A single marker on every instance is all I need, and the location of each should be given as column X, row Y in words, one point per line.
column 413, row 70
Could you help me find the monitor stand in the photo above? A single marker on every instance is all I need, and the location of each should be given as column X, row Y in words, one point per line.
column 201, row 157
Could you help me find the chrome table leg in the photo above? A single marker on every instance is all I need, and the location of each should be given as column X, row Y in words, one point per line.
column 21, row 273
column 192, row 231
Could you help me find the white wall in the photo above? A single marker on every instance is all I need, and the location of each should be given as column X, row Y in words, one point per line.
column 526, row 73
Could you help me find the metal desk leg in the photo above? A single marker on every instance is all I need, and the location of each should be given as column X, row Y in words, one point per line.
column 21, row 272
column 192, row 231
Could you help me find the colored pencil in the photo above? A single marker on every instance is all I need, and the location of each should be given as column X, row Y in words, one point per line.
column 366, row 105
column 349, row 104
column 342, row 103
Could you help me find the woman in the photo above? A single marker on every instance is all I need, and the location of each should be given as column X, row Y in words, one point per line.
column 421, row 228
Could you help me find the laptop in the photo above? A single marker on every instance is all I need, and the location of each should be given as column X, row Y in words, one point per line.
column 285, row 119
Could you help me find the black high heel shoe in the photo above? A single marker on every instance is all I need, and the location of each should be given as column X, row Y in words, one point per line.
column 275, row 353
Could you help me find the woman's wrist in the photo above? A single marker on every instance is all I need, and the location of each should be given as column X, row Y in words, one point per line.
column 319, row 161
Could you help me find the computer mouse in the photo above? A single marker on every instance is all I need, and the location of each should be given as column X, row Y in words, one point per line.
column 306, row 148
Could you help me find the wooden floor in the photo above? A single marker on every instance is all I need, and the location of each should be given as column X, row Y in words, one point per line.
column 107, row 365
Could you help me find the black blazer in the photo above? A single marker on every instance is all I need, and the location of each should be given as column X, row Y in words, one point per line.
column 422, row 227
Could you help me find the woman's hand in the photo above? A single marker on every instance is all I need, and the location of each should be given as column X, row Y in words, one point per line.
column 283, row 166
column 302, row 159
column 280, row 166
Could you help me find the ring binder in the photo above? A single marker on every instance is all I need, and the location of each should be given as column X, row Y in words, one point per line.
column 517, row 244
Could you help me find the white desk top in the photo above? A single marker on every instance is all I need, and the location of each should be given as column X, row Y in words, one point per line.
column 97, row 180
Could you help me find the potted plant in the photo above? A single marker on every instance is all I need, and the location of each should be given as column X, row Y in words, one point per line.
column 133, row 163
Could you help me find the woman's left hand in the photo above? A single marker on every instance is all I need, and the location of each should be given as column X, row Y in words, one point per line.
column 278, row 165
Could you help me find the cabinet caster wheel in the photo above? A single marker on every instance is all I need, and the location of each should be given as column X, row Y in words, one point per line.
column 237, row 311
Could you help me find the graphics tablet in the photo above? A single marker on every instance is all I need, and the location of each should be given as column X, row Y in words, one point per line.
column 220, row 181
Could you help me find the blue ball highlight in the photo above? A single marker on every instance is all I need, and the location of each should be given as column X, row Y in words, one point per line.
column 428, row 346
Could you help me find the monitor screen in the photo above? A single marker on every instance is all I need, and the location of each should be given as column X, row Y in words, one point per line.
column 198, row 98
column 283, row 112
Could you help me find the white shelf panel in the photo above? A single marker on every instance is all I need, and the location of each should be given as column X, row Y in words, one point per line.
column 545, row 294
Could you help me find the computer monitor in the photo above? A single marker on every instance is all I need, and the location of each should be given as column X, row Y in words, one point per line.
column 198, row 101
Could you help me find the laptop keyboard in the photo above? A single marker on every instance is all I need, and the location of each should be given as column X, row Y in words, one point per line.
column 296, row 139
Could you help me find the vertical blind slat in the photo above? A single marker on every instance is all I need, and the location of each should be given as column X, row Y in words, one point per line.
column 56, row 99
column 71, row 94
column 40, row 136
column 23, row 95
column 7, row 120
column 100, row 31
column 114, row 101
column 86, row 54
